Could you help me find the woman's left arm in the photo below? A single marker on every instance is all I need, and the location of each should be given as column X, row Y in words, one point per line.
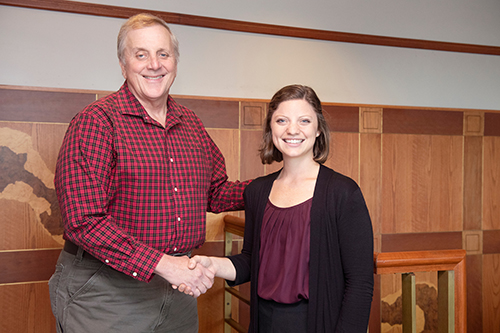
column 356, row 248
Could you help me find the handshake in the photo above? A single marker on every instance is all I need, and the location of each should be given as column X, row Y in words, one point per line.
column 194, row 276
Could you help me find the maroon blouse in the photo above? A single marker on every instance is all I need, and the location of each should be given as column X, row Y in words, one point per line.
column 284, row 253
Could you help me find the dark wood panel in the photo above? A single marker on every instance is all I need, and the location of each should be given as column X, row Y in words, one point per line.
column 491, row 124
column 25, row 266
column 421, row 241
column 251, row 27
column 342, row 118
column 214, row 113
column 41, row 106
column 409, row 121
column 491, row 241
column 474, row 292
column 473, row 173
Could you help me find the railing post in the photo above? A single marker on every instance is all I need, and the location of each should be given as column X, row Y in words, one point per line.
column 409, row 303
column 446, row 301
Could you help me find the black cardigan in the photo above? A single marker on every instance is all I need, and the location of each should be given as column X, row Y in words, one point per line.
column 341, row 254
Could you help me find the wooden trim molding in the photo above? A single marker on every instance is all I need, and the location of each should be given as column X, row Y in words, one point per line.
column 252, row 27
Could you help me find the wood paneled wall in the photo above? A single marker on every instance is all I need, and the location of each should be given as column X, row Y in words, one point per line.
column 430, row 178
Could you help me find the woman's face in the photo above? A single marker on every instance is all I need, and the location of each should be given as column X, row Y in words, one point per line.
column 294, row 127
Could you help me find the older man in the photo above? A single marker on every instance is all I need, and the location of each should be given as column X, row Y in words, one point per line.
column 135, row 176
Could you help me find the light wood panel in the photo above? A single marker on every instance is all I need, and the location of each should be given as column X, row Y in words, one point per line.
column 344, row 154
column 421, row 183
column 491, row 198
column 250, row 163
column 491, row 296
column 26, row 308
column 371, row 178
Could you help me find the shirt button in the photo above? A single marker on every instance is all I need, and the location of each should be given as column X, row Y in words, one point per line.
column 175, row 189
column 175, row 249
column 134, row 273
column 179, row 219
column 107, row 261
column 172, row 160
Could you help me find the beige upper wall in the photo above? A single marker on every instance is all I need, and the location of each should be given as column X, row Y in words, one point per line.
column 460, row 21
column 51, row 49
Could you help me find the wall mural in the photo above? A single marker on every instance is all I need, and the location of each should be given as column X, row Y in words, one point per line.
column 25, row 178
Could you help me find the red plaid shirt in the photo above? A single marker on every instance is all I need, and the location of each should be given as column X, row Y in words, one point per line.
column 130, row 190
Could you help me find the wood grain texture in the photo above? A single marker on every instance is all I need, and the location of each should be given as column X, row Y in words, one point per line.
column 42, row 106
column 411, row 121
column 214, row 113
column 474, row 293
column 370, row 179
column 210, row 304
column 250, row 163
column 427, row 241
column 26, row 308
column 491, row 124
column 473, row 172
column 252, row 115
column 421, row 183
column 27, row 266
column 491, row 192
column 426, row 189
column 341, row 118
column 491, row 296
column 491, row 241
column 344, row 154
column 473, row 123
column 370, row 120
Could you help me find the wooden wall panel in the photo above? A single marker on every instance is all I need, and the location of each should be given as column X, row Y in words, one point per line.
column 430, row 179
column 491, row 194
column 26, row 308
column 250, row 163
column 491, row 124
column 252, row 115
column 491, row 241
column 17, row 266
column 426, row 241
column 370, row 178
column 413, row 121
column 421, row 183
column 210, row 304
column 344, row 154
column 491, row 295
column 474, row 293
column 41, row 106
column 228, row 142
column 342, row 118
column 473, row 172
column 213, row 113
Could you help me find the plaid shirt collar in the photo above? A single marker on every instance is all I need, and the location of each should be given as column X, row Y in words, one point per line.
column 174, row 114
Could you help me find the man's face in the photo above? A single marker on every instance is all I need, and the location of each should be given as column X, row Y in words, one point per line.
column 150, row 66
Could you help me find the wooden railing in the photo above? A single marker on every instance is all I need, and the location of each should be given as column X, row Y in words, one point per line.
column 449, row 265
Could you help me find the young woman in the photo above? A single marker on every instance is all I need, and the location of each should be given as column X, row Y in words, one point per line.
column 308, row 245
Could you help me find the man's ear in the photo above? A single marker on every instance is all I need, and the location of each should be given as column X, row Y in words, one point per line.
column 124, row 72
